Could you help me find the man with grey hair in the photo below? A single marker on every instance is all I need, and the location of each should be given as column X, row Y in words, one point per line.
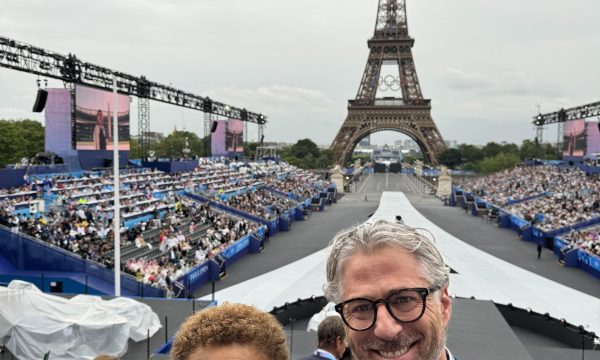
column 390, row 284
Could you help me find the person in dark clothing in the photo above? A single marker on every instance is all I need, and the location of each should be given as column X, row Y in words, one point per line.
column 331, row 340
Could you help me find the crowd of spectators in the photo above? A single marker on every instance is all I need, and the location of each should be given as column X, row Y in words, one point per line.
column 518, row 183
column 585, row 239
column 563, row 196
column 79, row 213
column 301, row 184
column 261, row 203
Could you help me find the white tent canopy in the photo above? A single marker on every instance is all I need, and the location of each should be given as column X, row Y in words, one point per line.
column 33, row 323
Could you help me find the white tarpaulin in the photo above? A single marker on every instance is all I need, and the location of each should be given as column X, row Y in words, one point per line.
column 33, row 323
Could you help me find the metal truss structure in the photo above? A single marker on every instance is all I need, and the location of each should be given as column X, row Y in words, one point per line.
column 409, row 113
column 562, row 115
column 27, row 58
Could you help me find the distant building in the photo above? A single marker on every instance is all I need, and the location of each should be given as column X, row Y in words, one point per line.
column 387, row 154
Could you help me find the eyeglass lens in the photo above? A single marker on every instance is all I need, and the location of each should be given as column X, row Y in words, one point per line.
column 405, row 305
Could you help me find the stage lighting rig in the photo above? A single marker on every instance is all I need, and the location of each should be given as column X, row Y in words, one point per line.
column 27, row 58
column 563, row 115
column 539, row 120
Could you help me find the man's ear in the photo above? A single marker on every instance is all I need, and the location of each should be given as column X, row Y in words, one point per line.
column 446, row 304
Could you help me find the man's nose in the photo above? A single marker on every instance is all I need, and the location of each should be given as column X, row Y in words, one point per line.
column 386, row 327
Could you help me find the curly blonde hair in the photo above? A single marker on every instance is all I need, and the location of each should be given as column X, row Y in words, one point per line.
column 231, row 324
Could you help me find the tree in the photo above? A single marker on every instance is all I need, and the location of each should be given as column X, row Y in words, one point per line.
column 470, row 153
column 172, row 146
column 19, row 139
column 324, row 160
column 134, row 149
column 451, row 158
column 250, row 149
column 491, row 149
column 510, row 149
column 528, row 150
column 304, row 147
column 497, row 163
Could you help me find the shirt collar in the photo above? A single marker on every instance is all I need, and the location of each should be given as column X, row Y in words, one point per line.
column 449, row 355
column 325, row 354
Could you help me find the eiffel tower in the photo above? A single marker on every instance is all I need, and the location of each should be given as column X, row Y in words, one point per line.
column 407, row 112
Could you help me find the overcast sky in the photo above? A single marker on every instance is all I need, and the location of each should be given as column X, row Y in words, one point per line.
column 486, row 65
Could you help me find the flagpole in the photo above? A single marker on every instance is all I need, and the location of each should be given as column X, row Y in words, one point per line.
column 116, row 187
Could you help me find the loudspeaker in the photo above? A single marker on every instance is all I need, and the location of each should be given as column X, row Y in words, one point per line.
column 40, row 100
column 214, row 127
column 598, row 125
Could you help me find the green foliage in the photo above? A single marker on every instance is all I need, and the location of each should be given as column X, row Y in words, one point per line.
column 491, row 149
column 529, row 150
column 306, row 155
column 470, row 153
column 324, row 160
column 497, row 163
column 451, row 158
column 18, row 139
column 172, row 146
column 303, row 148
column 250, row 149
column 134, row 149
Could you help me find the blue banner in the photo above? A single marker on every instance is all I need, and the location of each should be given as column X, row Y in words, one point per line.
column 589, row 263
column 236, row 247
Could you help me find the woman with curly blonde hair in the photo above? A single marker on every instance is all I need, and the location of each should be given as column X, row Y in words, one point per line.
column 232, row 332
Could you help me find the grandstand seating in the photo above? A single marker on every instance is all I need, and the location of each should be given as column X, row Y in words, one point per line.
column 555, row 205
column 155, row 209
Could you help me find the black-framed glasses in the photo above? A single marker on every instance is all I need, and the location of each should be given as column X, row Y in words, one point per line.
column 405, row 305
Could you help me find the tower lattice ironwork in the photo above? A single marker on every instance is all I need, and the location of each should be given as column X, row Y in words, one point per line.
column 407, row 112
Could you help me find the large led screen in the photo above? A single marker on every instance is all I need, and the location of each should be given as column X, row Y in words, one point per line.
column 234, row 137
column 94, row 119
column 217, row 139
column 593, row 138
column 574, row 138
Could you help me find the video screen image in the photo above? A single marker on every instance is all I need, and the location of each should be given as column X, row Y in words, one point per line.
column 217, row 139
column 593, row 138
column 234, row 137
column 574, row 138
column 94, row 119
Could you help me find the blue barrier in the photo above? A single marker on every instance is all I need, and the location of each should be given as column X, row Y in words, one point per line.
column 557, row 244
column 284, row 223
column 27, row 254
column 299, row 213
column 256, row 244
column 517, row 201
column 209, row 269
column 236, row 250
column 585, row 261
column 539, row 235
column 589, row 263
column 196, row 277
column 571, row 258
column 214, row 269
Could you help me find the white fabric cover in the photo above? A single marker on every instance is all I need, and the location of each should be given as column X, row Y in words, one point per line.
column 316, row 319
column 33, row 323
